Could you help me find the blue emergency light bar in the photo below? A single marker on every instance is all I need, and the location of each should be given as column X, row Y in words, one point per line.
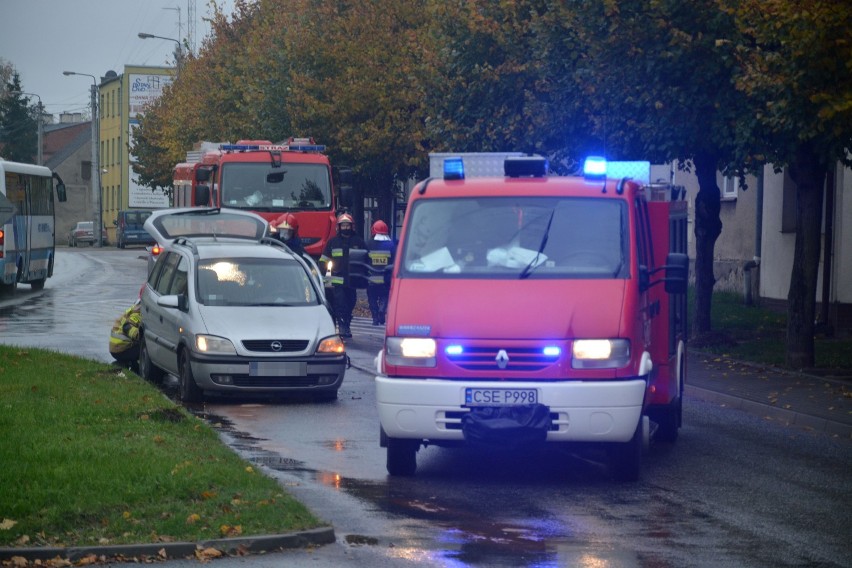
column 453, row 168
column 594, row 167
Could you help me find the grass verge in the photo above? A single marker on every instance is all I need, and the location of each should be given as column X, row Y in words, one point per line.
column 751, row 333
column 93, row 455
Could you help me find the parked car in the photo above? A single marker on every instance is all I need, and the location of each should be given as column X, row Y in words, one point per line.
column 83, row 232
column 129, row 228
column 228, row 310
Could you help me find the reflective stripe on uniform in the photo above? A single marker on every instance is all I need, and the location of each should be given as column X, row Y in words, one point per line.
column 336, row 252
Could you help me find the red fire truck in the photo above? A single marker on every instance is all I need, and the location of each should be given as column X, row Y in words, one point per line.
column 530, row 308
column 268, row 179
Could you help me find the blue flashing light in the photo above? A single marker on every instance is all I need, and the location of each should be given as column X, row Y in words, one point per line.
column 594, row 167
column 307, row 148
column 552, row 351
column 453, row 350
column 453, row 168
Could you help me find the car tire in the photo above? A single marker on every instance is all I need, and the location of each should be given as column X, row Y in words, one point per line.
column 189, row 390
column 147, row 369
column 326, row 396
column 625, row 459
column 402, row 457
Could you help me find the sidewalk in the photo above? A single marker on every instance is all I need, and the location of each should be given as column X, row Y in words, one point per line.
column 823, row 404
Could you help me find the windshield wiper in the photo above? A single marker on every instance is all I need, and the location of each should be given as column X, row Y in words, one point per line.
column 528, row 269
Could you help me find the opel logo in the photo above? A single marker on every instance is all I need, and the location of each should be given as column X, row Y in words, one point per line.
column 276, row 346
column 502, row 359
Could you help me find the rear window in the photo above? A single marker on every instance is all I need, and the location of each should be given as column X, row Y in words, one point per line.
column 136, row 217
column 210, row 223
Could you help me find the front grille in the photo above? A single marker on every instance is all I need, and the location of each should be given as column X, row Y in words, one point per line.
column 265, row 345
column 273, row 382
column 520, row 359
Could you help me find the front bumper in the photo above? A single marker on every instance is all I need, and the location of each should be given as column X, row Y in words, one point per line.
column 581, row 411
column 237, row 374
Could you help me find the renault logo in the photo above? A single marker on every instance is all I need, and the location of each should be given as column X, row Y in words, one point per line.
column 276, row 346
column 502, row 359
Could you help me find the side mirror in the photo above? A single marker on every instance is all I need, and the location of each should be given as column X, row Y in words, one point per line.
column 60, row 192
column 677, row 273
column 203, row 174
column 202, row 195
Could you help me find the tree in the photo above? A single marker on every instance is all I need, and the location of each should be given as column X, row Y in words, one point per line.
column 359, row 71
column 504, row 78
column 18, row 124
column 795, row 70
column 659, row 83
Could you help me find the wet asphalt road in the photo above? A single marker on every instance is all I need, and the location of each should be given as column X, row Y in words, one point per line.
column 735, row 490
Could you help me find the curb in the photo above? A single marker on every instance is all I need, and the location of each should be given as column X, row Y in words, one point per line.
column 177, row 550
column 791, row 417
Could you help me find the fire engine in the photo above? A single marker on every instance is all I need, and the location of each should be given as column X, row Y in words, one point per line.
column 268, row 179
column 528, row 308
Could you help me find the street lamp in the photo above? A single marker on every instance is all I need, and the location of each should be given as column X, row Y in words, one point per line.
column 96, row 176
column 178, row 49
column 40, row 124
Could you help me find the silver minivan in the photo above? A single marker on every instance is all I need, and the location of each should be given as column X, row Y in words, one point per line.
column 230, row 311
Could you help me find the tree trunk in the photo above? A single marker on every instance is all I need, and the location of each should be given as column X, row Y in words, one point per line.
column 708, row 227
column 808, row 172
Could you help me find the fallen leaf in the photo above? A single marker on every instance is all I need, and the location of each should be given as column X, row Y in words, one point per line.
column 207, row 553
column 193, row 518
column 7, row 524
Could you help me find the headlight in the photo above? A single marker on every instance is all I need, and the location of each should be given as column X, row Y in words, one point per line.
column 331, row 346
column 214, row 345
column 410, row 351
column 600, row 353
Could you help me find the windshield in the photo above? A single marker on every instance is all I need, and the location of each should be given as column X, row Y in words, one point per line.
column 254, row 282
column 509, row 237
column 260, row 187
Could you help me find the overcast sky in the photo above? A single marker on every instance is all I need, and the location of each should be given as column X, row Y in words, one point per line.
column 43, row 38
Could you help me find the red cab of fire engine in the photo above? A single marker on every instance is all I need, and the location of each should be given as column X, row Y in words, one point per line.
column 269, row 179
column 554, row 305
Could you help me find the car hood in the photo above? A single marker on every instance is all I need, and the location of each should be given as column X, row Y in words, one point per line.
column 240, row 323
column 499, row 309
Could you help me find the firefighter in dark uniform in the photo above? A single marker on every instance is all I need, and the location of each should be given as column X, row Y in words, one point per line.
column 381, row 254
column 343, row 291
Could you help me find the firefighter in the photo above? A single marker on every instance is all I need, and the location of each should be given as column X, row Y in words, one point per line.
column 287, row 227
column 381, row 254
column 124, row 336
column 343, row 291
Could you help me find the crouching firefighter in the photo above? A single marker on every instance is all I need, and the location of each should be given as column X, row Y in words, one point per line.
column 124, row 336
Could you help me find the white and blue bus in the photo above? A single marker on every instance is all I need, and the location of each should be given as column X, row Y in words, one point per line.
column 27, row 224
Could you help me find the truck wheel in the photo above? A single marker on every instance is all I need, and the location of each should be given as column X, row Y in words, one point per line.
column 147, row 369
column 625, row 459
column 189, row 391
column 668, row 421
column 402, row 457
column 38, row 284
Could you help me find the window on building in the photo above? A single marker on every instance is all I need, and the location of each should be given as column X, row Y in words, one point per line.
column 730, row 187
